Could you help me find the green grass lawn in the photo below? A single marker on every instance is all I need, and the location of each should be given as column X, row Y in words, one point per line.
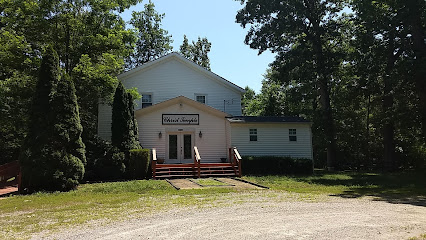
column 421, row 237
column 21, row 216
column 350, row 184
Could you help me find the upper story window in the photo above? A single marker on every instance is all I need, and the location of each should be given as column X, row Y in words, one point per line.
column 253, row 135
column 292, row 135
column 146, row 100
column 201, row 98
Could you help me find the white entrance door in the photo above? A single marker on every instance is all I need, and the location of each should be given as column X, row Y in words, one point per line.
column 180, row 148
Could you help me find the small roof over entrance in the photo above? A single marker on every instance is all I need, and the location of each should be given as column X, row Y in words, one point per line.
column 182, row 100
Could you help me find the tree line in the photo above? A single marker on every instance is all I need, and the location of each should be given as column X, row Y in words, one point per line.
column 58, row 61
column 355, row 68
column 93, row 45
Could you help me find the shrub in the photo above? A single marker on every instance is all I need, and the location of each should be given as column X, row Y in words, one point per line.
column 104, row 161
column 276, row 165
column 139, row 163
column 53, row 155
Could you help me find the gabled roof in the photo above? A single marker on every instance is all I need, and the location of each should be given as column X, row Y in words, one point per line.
column 182, row 100
column 182, row 59
column 255, row 119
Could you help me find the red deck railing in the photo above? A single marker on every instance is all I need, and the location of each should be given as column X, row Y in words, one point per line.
column 197, row 169
column 235, row 159
column 154, row 162
column 8, row 171
column 197, row 161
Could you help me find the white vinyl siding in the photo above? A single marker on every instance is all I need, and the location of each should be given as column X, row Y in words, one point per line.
column 172, row 78
column 212, row 146
column 272, row 139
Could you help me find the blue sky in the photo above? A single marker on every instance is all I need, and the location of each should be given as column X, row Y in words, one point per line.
column 229, row 56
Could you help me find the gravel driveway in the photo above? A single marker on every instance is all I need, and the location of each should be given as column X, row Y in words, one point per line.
column 328, row 218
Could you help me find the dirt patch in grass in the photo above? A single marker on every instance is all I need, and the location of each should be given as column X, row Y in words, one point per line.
column 202, row 183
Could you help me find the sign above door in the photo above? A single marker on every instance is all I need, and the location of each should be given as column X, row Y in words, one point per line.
column 180, row 119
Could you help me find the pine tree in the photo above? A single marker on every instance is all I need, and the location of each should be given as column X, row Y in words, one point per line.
column 66, row 138
column 123, row 127
column 134, row 131
column 52, row 156
column 33, row 153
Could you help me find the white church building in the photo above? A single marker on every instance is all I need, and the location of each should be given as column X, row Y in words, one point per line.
column 185, row 105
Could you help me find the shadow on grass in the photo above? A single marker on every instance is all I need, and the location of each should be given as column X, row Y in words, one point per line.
column 400, row 188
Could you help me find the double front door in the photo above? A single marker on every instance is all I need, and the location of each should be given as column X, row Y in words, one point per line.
column 180, row 147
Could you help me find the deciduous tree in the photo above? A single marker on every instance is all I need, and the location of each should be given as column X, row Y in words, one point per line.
column 152, row 40
column 197, row 51
column 310, row 27
column 91, row 40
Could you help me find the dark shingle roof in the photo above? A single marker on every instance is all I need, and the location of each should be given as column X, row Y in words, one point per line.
column 280, row 119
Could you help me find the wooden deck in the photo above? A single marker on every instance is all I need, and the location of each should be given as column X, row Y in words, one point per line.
column 10, row 171
column 194, row 171
column 9, row 178
column 198, row 169
column 8, row 189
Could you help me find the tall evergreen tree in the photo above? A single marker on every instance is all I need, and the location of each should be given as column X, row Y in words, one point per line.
column 123, row 126
column 69, row 150
column 53, row 154
column 153, row 41
column 134, row 123
column 32, row 158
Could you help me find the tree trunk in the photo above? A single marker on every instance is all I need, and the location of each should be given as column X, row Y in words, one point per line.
column 388, row 128
column 419, row 48
column 330, row 131
column 367, row 161
column 327, row 114
column 388, row 125
column 323, row 74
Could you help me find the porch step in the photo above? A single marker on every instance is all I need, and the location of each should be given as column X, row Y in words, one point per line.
column 163, row 171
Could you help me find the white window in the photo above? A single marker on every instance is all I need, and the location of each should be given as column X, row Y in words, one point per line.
column 253, row 135
column 146, row 100
column 292, row 135
column 201, row 98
